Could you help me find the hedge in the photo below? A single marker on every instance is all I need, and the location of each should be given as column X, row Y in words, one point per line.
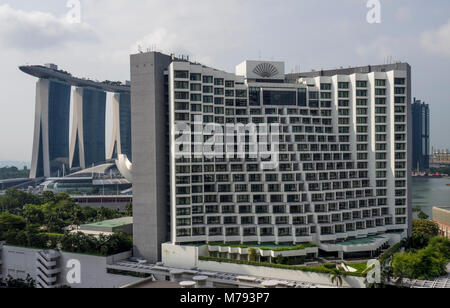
column 279, row 266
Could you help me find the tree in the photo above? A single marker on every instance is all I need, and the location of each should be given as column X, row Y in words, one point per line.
column 28, row 283
column 129, row 209
column 252, row 254
column 425, row 228
column 34, row 214
column 423, row 216
column 10, row 223
column 14, row 200
column 337, row 277
column 425, row 264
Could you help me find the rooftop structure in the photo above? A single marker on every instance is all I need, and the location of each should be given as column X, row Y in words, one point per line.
column 52, row 72
column 124, row 224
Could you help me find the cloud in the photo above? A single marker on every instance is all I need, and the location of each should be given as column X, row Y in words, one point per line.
column 37, row 30
column 437, row 41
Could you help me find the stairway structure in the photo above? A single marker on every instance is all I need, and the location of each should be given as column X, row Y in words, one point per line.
column 47, row 269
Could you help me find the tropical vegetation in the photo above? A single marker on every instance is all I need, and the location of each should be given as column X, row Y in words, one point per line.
column 45, row 222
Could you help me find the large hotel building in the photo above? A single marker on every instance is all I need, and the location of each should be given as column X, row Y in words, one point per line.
column 342, row 150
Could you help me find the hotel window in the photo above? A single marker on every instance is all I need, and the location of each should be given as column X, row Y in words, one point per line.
column 196, row 77
column 325, row 86
column 343, row 85
column 229, row 84
column 266, row 232
column 360, row 93
column 183, row 232
column 241, row 93
column 196, row 108
column 182, row 85
column 343, row 94
column 400, row 91
column 182, row 74
column 215, row 231
column 196, row 87
column 361, row 84
column 400, row 100
column 208, row 89
column 229, row 93
column 400, row 81
column 250, row 232
column 219, row 81
column 196, row 97
column 380, row 82
column 207, row 79
column 181, row 106
column 302, row 98
column 181, row 95
column 254, row 96
column 380, row 92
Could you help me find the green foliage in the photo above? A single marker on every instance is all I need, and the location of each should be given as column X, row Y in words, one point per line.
column 34, row 214
column 13, row 173
column 423, row 216
column 104, row 245
column 129, row 210
column 425, row 228
column 425, row 264
column 337, row 277
column 10, row 223
column 41, row 221
column 28, row 283
column 252, row 255
column 14, row 201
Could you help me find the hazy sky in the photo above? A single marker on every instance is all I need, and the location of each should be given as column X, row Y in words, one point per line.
column 317, row 34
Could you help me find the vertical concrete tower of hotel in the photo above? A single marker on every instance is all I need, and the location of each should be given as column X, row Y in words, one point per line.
column 121, row 136
column 87, row 146
column 51, row 129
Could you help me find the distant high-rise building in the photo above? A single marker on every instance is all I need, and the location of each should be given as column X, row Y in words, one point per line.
column 342, row 161
column 51, row 129
column 51, row 151
column 121, row 138
column 87, row 146
column 421, row 135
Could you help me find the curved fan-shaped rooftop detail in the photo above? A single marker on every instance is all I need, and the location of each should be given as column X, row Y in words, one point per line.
column 125, row 167
column 265, row 70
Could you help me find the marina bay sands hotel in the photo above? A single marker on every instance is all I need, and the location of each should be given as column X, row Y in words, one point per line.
column 55, row 150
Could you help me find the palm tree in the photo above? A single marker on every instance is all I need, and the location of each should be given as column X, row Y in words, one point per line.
column 336, row 277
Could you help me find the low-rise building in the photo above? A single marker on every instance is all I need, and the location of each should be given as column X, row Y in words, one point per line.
column 442, row 217
column 124, row 224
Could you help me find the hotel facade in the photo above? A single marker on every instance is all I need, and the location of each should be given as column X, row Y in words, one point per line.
column 338, row 142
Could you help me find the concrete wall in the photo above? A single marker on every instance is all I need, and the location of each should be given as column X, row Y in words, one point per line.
column 150, row 156
column 19, row 262
column 187, row 258
column 279, row 274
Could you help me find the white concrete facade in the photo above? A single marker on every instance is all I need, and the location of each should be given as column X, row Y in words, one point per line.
column 344, row 157
column 19, row 262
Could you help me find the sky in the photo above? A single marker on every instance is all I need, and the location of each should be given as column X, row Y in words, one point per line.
column 319, row 34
